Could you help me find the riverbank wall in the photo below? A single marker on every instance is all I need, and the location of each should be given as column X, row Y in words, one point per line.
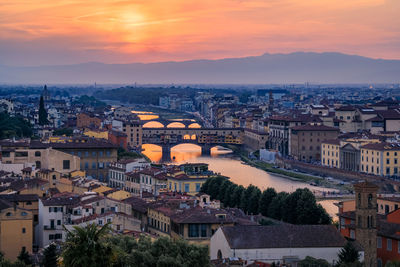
column 386, row 185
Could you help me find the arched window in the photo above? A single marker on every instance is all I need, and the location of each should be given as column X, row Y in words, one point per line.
column 359, row 199
column 24, row 213
column 8, row 214
column 219, row 254
column 38, row 164
column 370, row 201
column 37, row 154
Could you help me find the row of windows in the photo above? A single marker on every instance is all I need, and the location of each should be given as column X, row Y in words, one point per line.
column 117, row 176
column 94, row 153
column 387, row 153
column 55, row 236
column 95, row 165
column 333, row 147
column 388, row 244
column 159, row 225
column 186, row 187
column 8, row 214
column 56, row 209
column 329, row 162
column 333, row 154
column 311, row 148
column 373, row 170
column 197, row 230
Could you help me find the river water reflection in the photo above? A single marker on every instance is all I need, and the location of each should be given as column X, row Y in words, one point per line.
column 222, row 161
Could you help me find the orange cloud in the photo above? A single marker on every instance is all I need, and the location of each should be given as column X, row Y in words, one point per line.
column 157, row 30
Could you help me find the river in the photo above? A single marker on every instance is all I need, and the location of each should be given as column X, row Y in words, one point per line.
column 224, row 162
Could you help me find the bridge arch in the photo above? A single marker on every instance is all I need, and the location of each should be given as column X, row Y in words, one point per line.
column 176, row 124
column 153, row 124
column 153, row 152
column 194, row 125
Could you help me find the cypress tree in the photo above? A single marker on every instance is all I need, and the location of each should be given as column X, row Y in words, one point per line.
column 42, row 113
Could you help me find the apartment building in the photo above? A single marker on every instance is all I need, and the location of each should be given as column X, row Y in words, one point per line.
column 118, row 170
column 381, row 159
column 95, row 155
column 279, row 130
column 39, row 155
column 16, row 228
column 305, row 141
column 330, row 154
column 133, row 130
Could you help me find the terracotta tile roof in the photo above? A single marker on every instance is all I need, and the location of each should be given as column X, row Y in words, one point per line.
column 19, row 197
column 383, row 146
column 203, row 215
column 283, row 236
column 310, row 127
column 4, row 204
column 137, row 204
column 389, row 114
column 346, row 108
column 332, row 142
column 61, row 201
column 27, row 183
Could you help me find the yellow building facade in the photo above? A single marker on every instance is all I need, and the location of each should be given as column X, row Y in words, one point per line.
column 330, row 154
column 185, row 184
column 16, row 230
column 381, row 159
column 97, row 134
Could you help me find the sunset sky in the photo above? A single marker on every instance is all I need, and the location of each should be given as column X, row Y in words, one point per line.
column 40, row 32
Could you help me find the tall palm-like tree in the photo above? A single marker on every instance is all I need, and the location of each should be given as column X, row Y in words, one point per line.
column 85, row 246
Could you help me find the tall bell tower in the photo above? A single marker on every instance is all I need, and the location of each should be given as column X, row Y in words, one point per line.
column 366, row 233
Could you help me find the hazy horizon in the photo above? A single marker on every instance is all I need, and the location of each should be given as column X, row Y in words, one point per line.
column 203, row 59
column 291, row 68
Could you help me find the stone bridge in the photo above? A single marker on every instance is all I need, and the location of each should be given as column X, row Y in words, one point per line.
column 186, row 122
column 206, row 138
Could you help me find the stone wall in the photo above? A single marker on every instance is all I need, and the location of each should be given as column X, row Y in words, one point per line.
column 384, row 183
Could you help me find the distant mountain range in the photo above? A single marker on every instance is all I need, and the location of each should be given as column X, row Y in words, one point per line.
column 296, row 67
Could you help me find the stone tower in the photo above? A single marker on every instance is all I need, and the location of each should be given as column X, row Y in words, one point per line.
column 46, row 94
column 271, row 101
column 366, row 232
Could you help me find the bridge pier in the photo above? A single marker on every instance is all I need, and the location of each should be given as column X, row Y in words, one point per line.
column 166, row 153
column 206, row 150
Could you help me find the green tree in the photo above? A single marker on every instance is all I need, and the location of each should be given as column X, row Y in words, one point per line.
column 14, row 126
column 237, row 196
column 393, row 264
column 311, row 262
column 229, row 195
column 348, row 255
column 266, row 198
column 64, row 131
column 42, row 113
column 222, row 189
column 123, row 154
column 50, row 257
column 214, row 186
column 275, row 208
column 6, row 263
column 162, row 252
column 254, row 201
column 85, row 246
column 24, row 257
column 245, row 199
column 205, row 186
